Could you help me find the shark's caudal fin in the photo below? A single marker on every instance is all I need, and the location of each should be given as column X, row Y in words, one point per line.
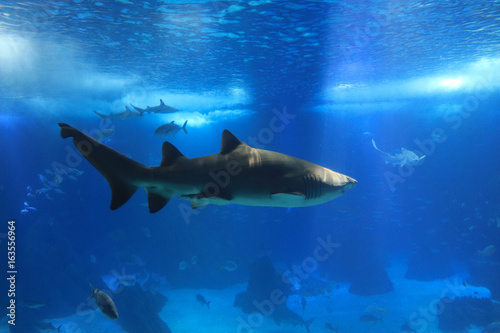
column 184, row 127
column 119, row 170
column 308, row 323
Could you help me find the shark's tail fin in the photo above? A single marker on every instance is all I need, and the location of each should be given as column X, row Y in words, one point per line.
column 308, row 323
column 184, row 127
column 141, row 111
column 118, row 169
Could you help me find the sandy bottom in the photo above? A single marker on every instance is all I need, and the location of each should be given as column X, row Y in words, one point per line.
column 411, row 302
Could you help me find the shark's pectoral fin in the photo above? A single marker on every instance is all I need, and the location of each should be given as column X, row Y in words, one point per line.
column 121, row 192
column 156, row 201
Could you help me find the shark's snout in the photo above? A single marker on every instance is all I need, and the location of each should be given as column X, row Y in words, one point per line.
column 351, row 182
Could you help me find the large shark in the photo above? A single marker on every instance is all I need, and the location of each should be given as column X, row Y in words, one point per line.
column 406, row 157
column 238, row 174
column 162, row 108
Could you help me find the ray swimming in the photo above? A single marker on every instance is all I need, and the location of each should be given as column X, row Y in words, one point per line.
column 238, row 174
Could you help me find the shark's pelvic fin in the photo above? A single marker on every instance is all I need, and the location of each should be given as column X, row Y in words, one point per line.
column 118, row 169
column 156, row 201
column 229, row 142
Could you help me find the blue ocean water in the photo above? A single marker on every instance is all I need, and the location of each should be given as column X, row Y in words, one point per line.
column 412, row 248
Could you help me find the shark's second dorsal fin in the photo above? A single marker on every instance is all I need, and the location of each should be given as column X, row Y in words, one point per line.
column 229, row 142
column 170, row 154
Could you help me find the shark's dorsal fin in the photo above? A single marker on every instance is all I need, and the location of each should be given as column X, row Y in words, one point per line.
column 170, row 154
column 161, row 102
column 229, row 142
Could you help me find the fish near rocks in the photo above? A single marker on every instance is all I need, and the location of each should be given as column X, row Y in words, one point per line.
column 104, row 302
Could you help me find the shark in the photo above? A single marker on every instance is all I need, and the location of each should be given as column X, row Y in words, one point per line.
column 238, row 174
column 119, row 115
column 405, row 157
column 162, row 108
column 283, row 314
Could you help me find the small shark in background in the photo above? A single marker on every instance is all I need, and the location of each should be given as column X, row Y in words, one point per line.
column 170, row 130
column 238, row 174
column 162, row 108
column 119, row 115
column 406, row 157
column 283, row 314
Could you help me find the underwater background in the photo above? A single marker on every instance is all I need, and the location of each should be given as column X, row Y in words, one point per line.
column 412, row 248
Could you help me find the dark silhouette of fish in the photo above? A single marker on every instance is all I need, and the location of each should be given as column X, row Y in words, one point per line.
column 303, row 302
column 330, row 327
column 170, row 129
column 202, row 300
column 162, row 108
column 239, row 174
column 104, row 302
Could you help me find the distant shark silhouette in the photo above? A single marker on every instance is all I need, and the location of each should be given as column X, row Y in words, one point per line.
column 239, row 174
column 119, row 115
column 406, row 157
column 162, row 108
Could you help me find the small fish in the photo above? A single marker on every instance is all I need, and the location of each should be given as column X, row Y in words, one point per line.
column 202, row 300
column 230, row 266
column 170, row 130
column 368, row 317
column 303, row 302
column 126, row 280
column 32, row 304
column 373, row 309
column 72, row 177
column 487, row 251
column 24, row 211
column 183, row 265
column 329, row 327
column 105, row 303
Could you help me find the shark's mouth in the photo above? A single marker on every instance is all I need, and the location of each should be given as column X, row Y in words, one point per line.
column 314, row 187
